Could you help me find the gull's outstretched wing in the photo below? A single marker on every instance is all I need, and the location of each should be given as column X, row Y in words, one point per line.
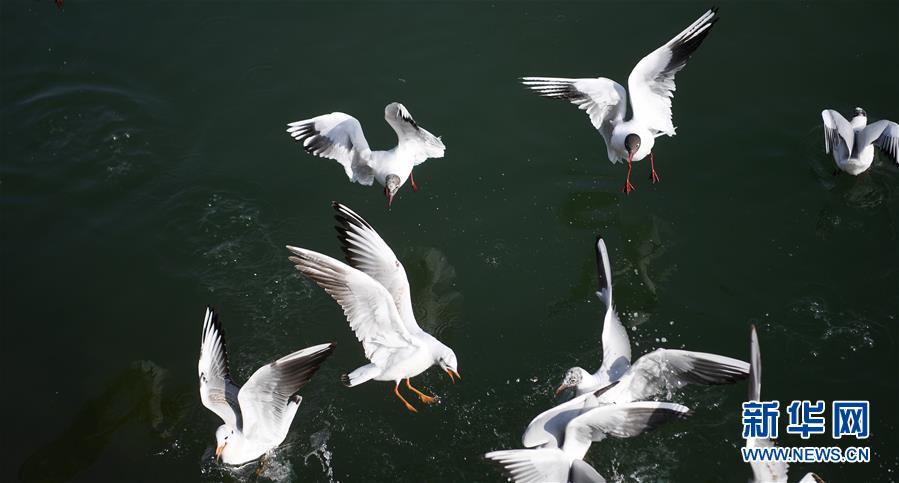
column 413, row 139
column 217, row 391
column 651, row 83
column 604, row 100
column 582, row 472
column 616, row 347
column 533, row 465
column 547, row 430
column 366, row 251
column 265, row 396
column 368, row 306
column 755, row 366
column 837, row 130
column 618, row 420
column 336, row 136
column 665, row 370
column 883, row 134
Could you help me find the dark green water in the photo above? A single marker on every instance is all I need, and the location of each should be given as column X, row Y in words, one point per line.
column 145, row 173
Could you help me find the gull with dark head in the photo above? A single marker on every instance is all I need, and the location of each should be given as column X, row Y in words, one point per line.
column 651, row 84
column 339, row 136
column 257, row 416
column 852, row 142
column 618, row 381
column 373, row 291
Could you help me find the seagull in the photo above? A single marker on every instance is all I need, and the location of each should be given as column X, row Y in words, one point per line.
column 565, row 463
column 651, row 86
column 616, row 347
column 766, row 471
column 257, row 416
column 374, row 293
column 339, row 136
column 852, row 143
column 617, row 381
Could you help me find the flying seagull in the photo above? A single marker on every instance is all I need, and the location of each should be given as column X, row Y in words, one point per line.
column 565, row 463
column 374, row 294
column 766, row 471
column 852, row 143
column 257, row 416
column 339, row 136
column 651, row 86
column 618, row 381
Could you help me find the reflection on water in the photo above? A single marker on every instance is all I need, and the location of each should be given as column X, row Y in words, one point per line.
column 645, row 243
column 135, row 397
column 434, row 296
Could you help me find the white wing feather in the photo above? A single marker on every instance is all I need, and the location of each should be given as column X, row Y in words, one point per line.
column 883, row 134
column 365, row 250
column 651, row 83
column 604, row 100
column 368, row 306
column 265, row 396
column 836, row 130
column 217, row 391
column 414, row 140
column 336, row 136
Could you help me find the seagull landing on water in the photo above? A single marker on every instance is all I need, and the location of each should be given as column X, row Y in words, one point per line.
column 764, row 471
column 852, row 143
column 257, row 416
column 617, row 381
column 339, row 136
column 651, row 86
column 373, row 291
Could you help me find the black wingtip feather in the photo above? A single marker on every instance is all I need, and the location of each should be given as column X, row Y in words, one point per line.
column 683, row 49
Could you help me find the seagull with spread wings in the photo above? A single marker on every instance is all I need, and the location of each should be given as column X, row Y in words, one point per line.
column 852, row 143
column 257, row 416
column 373, row 291
column 339, row 136
column 618, row 381
column 566, row 463
column 651, row 86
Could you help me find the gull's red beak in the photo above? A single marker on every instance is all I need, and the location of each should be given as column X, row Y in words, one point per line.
column 452, row 373
column 219, row 450
column 561, row 388
column 630, row 156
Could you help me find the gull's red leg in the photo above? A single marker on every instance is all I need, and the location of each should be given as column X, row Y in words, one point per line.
column 412, row 178
column 396, row 390
column 424, row 397
column 654, row 177
column 628, row 187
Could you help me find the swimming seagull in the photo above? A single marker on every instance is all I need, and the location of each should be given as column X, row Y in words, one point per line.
column 565, row 463
column 257, row 416
column 651, row 86
column 653, row 374
column 852, row 143
column 766, row 471
column 374, row 294
column 339, row 136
